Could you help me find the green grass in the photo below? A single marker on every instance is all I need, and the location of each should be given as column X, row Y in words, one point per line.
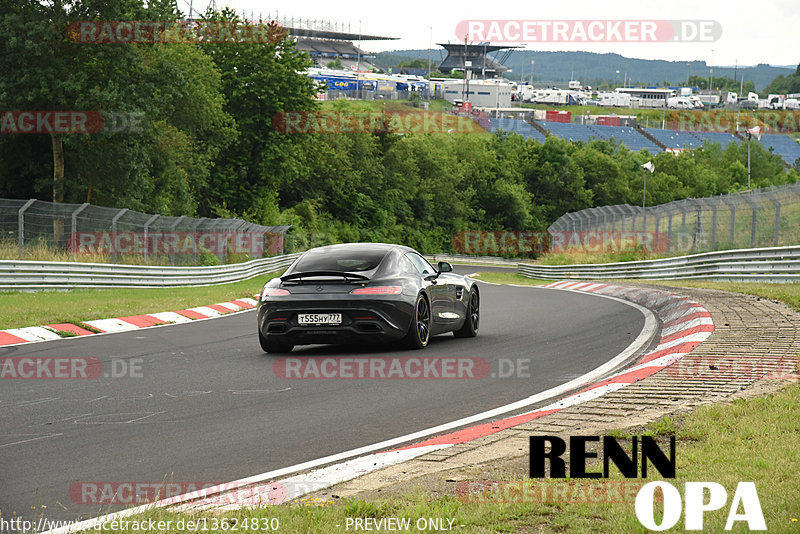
column 564, row 258
column 19, row 309
column 509, row 278
column 789, row 294
column 41, row 250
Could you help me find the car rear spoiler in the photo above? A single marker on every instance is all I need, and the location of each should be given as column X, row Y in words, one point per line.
column 345, row 275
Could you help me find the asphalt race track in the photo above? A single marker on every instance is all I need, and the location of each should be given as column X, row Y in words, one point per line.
column 204, row 404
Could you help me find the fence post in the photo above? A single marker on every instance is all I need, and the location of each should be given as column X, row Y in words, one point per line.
column 714, row 206
column 146, row 230
column 197, row 223
column 699, row 231
column 777, row 216
column 669, row 230
column 657, row 216
column 732, row 207
column 172, row 229
column 21, row 224
column 121, row 212
column 749, row 198
column 683, row 220
column 74, row 229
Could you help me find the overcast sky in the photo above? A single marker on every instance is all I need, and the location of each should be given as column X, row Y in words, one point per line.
column 753, row 31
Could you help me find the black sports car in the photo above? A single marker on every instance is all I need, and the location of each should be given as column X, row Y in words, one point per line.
column 365, row 291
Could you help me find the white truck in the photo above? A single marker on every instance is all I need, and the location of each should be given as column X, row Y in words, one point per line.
column 616, row 100
column 776, row 101
column 555, row 96
column 524, row 93
column 680, row 102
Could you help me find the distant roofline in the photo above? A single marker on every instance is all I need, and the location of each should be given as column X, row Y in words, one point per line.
column 336, row 36
column 476, row 47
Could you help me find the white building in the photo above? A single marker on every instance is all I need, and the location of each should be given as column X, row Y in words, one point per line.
column 480, row 93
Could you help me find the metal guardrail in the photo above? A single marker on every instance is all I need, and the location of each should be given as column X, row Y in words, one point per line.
column 774, row 264
column 465, row 258
column 33, row 275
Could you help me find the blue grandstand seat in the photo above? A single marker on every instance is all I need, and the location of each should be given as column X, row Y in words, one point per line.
column 675, row 139
column 783, row 145
column 570, row 131
column 517, row 126
column 722, row 138
column 580, row 132
column 629, row 137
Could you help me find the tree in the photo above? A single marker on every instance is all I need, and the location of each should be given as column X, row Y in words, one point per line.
column 335, row 64
column 697, row 81
column 259, row 80
column 172, row 90
column 51, row 72
column 413, row 64
column 785, row 84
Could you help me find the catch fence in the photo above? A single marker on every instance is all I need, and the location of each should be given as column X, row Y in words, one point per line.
column 86, row 229
column 767, row 217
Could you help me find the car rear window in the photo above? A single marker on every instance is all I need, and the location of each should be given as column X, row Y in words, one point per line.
column 341, row 260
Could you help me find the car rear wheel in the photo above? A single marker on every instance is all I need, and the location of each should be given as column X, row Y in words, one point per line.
column 473, row 318
column 273, row 345
column 419, row 332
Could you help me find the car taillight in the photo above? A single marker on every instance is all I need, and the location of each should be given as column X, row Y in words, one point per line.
column 273, row 292
column 377, row 290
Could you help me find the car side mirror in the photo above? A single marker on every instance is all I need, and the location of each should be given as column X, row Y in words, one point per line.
column 444, row 267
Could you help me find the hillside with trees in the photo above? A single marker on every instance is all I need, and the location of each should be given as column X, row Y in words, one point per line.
column 207, row 146
column 601, row 69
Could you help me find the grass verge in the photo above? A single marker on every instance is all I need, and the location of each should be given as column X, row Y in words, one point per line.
column 789, row 294
column 20, row 309
column 510, row 277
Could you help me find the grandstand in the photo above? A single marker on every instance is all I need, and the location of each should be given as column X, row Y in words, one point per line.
column 324, row 51
column 473, row 58
column 722, row 138
column 674, row 139
column 783, row 145
column 517, row 126
column 325, row 43
column 627, row 136
column 580, row 132
column 569, row 131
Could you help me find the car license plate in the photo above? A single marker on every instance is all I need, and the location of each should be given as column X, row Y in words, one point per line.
column 319, row 318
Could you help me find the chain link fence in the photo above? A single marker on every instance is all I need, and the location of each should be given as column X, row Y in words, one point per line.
column 760, row 218
column 85, row 231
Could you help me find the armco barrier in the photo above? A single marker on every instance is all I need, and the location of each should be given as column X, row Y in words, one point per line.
column 774, row 264
column 31, row 275
column 465, row 258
